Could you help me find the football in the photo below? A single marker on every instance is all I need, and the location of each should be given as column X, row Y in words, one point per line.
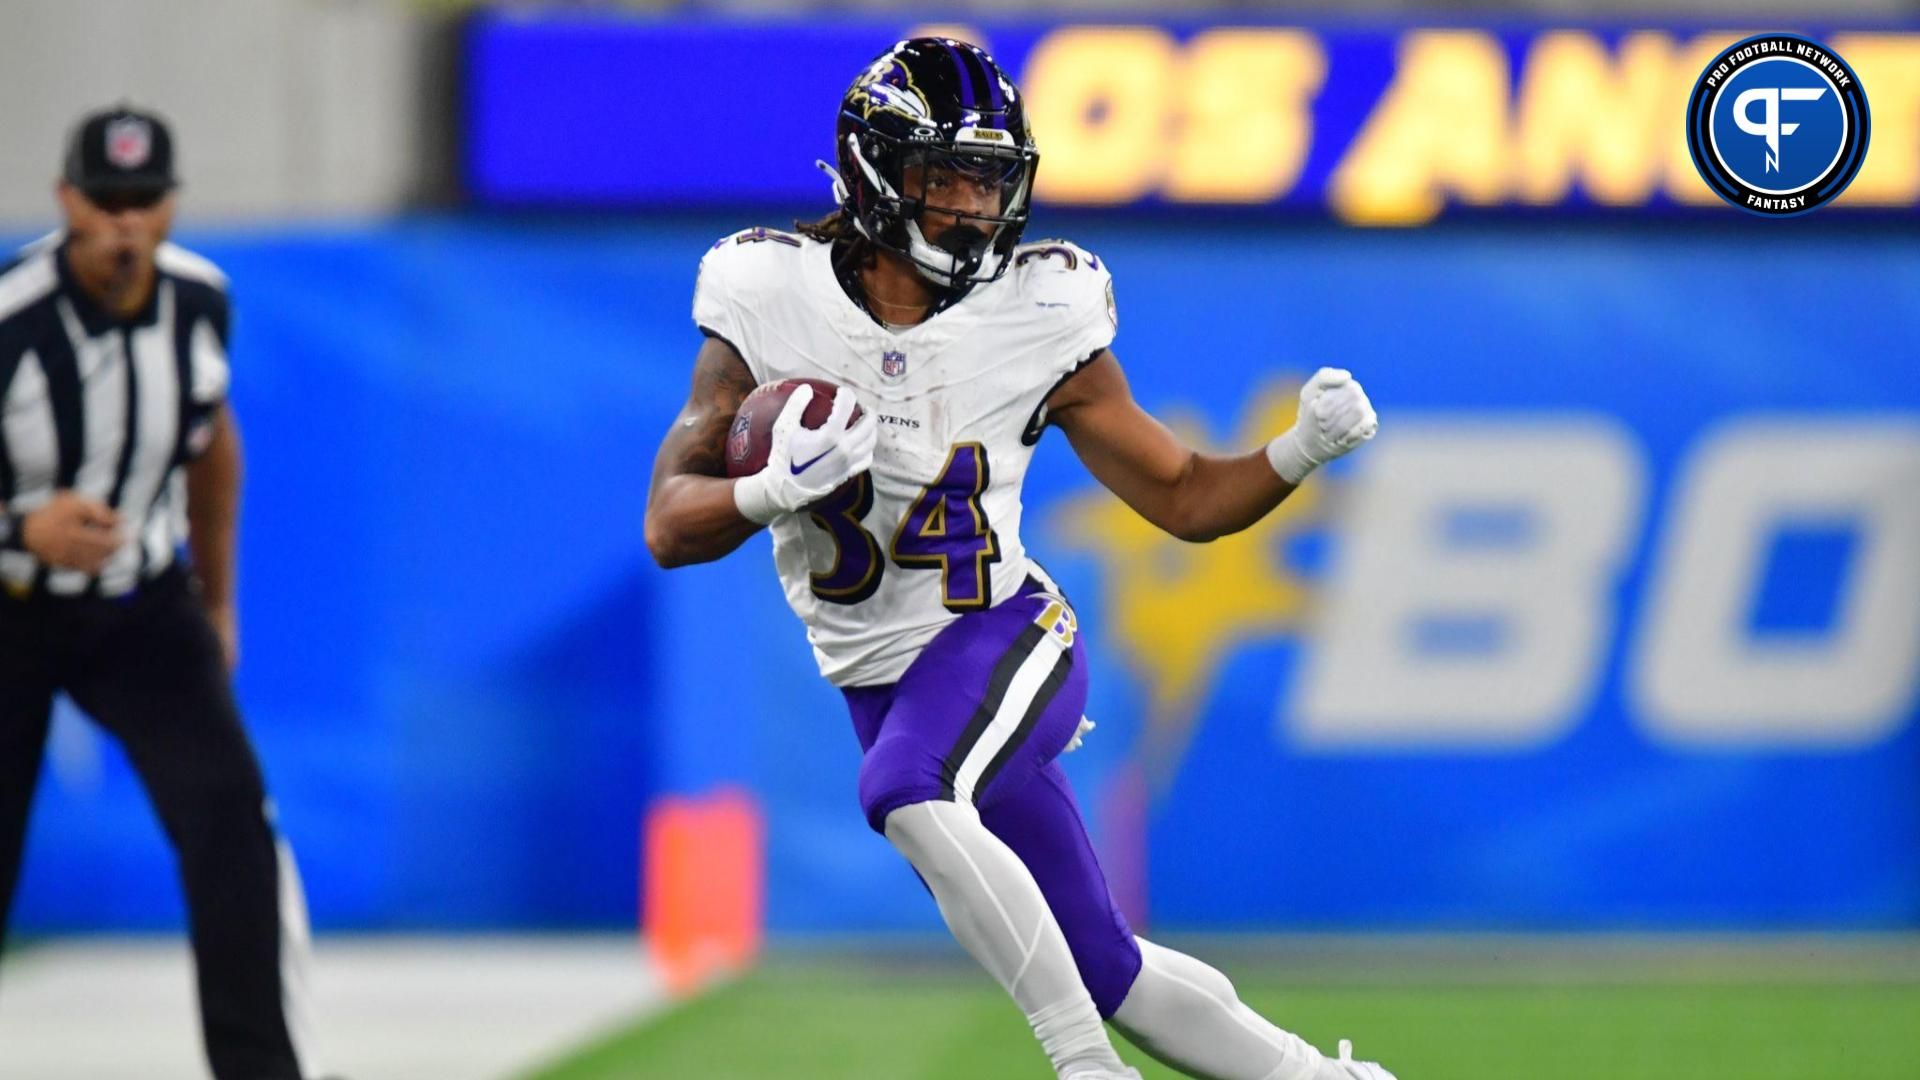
column 751, row 436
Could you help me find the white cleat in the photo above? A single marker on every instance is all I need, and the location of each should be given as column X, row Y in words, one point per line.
column 1103, row 1074
column 1360, row 1070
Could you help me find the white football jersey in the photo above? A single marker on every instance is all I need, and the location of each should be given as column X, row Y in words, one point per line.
column 934, row 530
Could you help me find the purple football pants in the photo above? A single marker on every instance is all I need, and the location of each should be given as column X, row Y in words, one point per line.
column 979, row 717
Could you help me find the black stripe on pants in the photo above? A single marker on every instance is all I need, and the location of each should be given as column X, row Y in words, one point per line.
column 997, row 685
column 149, row 670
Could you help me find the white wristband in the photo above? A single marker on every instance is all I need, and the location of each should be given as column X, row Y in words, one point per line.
column 1288, row 458
column 753, row 500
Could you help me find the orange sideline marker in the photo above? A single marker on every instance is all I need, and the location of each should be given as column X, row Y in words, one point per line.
column 702, row 870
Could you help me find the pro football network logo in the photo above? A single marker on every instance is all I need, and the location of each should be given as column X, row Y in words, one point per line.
column 1777, row 125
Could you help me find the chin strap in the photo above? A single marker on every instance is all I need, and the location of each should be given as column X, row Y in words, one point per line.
column 936, row 264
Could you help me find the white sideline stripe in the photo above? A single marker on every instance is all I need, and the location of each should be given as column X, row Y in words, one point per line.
column 1021, row 690
column 389, row 1008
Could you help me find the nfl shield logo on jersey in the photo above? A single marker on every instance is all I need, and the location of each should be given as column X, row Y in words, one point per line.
column 129, row 142
column 893, row 364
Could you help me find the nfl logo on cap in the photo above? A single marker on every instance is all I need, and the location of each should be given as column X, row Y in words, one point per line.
column 129, row 142
column 893, row 364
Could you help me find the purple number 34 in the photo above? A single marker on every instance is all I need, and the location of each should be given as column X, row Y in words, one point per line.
column 945, row 529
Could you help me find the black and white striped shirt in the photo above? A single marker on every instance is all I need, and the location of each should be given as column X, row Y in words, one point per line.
column 110, row 408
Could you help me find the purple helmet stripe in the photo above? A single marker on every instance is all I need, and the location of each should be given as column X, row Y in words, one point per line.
column 965, row 78
column 998, row 103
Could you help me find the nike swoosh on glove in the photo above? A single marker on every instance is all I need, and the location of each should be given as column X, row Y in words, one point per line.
column 805, row 465
column 1335, row 416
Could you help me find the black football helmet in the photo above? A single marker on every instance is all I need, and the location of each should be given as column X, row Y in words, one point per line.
column 939, row 103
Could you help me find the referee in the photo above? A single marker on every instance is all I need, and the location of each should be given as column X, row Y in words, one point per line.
column 117, row 449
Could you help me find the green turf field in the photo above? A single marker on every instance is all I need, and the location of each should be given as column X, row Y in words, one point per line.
column 812, row 1019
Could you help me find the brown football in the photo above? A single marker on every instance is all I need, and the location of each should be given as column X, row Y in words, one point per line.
column 751, row 436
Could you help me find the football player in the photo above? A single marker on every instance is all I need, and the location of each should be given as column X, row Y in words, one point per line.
column 897, row 536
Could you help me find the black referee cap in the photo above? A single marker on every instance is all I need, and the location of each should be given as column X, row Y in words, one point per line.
column 121, row 151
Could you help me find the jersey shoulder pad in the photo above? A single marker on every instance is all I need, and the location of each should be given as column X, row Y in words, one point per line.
column 1056, row 256
column 201, row 286
column 1058, row 267
column 192, row 265
column 739, row 275
column 1058, row 274
column 746, row 263
column 26, row 279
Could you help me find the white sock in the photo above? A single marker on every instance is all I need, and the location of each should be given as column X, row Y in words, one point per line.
column 996, row 910
column 1187, row 1015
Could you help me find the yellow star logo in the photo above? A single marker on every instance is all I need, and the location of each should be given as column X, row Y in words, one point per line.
column 1181, row 607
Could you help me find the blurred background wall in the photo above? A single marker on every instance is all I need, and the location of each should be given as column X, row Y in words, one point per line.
column 1617, row 624
column 289, row 108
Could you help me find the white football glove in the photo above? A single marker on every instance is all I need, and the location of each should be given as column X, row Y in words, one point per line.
column 1335, row 416
column 805, row 465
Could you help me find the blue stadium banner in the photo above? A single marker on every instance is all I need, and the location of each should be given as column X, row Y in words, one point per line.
column 1371, row 123
column 1616, row 624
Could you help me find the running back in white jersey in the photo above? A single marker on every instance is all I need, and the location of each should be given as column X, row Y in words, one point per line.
column 877, row 570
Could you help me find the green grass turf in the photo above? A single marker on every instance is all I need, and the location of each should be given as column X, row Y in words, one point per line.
column 801, row 1021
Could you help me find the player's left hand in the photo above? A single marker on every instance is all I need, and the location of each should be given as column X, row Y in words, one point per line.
column 1335, row 416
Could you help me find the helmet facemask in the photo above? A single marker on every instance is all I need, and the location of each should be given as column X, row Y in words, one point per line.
column 973, row 248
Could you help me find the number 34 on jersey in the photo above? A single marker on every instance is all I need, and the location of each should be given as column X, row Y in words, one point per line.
column 945, row 529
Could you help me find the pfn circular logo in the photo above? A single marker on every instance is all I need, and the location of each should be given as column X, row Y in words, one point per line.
column 1777, row 125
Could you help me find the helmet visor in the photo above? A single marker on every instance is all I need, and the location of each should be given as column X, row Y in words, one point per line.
column 988, row 184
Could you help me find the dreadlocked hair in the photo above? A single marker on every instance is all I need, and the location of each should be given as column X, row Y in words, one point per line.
column 853, row 249
column 832, row 229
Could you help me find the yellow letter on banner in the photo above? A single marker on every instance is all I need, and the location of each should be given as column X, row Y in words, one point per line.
column 1098, row 100
column 1889, row 70
column 1582, row 114
column 1440, row 128
column 1248, row 120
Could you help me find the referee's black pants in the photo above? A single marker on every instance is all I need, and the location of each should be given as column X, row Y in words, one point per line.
column 149, row 669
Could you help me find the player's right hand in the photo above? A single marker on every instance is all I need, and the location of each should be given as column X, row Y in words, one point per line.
column 72, row 532
column 805, row 465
